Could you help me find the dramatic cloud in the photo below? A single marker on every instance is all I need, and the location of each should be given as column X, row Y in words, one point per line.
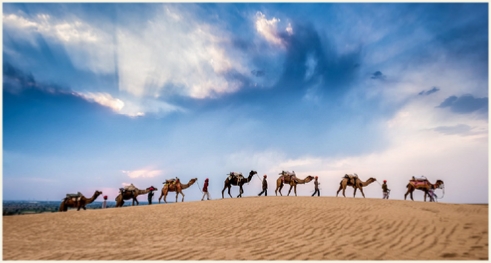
column 433, row 90
column 190, row 56
column 89, row 47
column 465, row 104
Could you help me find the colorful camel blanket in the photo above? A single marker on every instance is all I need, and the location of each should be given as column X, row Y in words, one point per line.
column 419, row 182
column 170, row 181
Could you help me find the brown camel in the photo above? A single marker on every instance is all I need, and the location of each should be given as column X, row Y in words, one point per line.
column 238, row 182
column 177, row 187
column 355, row 182
column 78, row 202
column 285, row 178
column 423, row 185
column 132, row 195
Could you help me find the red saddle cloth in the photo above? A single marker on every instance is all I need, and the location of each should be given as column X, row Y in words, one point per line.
column 419, row 182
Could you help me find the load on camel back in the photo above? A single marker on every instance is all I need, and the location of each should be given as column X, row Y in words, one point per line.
column 236, row 175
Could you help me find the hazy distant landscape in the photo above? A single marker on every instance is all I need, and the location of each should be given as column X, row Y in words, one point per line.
column 16, row 207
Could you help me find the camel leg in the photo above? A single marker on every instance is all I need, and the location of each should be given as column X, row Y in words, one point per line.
column 361, row 190
column 295, row 189
column 278, row 189
column 344, row 190
column 225, row 186
column 291, row 186
column 165, row 198
column 340, row 188
column 161, row 194
column 229, row 191
column 182, row 197
column 240, row 191
column 354, row 192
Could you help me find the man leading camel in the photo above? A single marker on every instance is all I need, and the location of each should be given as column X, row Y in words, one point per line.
column 265, row 186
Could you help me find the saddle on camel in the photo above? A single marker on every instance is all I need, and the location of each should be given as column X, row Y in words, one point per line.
column 291, row 175
column 128, row 188
column 352, row 178
column 74, row 197
column 170, row 181
column 236, row 175
column 422, row 180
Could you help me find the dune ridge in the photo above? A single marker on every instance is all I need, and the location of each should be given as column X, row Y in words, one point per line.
column 255, row 228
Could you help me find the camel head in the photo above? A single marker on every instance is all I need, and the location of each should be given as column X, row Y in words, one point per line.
column 371, row 180
column 252, row 173
column 438, row 183
column 309, row 178
column 97, row 193
column 192, row 181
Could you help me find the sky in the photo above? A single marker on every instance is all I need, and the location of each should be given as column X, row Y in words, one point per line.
column 98, row 96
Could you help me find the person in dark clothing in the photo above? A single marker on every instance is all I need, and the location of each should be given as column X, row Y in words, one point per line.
column 265, row 187
column 150, row 196
column 205, row 190
column 385, row 190
column 316, row 187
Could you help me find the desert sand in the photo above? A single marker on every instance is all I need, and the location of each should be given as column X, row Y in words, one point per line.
column 255, row 228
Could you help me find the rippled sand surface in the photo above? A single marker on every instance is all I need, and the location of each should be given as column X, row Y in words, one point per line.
column 255, row 228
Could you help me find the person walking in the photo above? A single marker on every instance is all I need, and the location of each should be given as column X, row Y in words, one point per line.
column 205, row 191
column 150, row 196
column 316, row 187
column 265, row 186
column 385, row 190
column 104, row 203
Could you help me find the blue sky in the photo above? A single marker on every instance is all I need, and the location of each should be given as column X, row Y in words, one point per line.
column 97, row 96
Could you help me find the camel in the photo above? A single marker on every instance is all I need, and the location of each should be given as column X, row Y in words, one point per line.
column 355, row 182
column 132, row 195
column 423, row 185
column 175, row 187
column 228, row 183
column 286, row 179
column 78, row 202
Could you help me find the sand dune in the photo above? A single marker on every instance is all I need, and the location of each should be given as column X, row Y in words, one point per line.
column 255, row 228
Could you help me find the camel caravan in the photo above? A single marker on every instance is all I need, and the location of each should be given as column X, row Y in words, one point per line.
column 131, row 192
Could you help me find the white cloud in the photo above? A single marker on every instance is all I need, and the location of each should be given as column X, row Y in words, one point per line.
column 268, row 28
column 144, row 173
column 190, row 56
column 103, row 99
